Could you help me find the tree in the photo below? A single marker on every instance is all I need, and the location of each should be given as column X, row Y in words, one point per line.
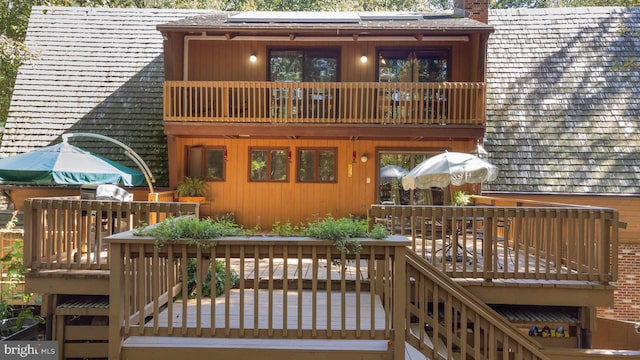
column 505, row 4
column 14, row 17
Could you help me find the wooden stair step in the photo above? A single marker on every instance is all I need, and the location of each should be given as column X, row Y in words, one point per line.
column 183, row 348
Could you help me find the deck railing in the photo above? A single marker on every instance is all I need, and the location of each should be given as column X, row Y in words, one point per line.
column 516, row 242
column 444, row 321
column 454, row 103
column 68, row 233
column 299, row 288
column 288, row 288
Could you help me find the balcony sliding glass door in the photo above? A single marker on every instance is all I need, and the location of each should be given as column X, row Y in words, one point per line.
column 303, row 65
column 411, row 66
column 392, row 164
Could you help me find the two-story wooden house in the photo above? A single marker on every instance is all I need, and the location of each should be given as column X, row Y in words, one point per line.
column 288, row 119
column 290, row 116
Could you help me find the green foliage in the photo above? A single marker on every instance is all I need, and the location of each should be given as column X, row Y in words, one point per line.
column 378, row 232
column 9, row 327
column 192, row 280
column 460, row 198
column 506, row 4
column 12, row 271
column 191, row 228
column 192, row 186
column 343, row 232
column 284, row 229
column 14, row 17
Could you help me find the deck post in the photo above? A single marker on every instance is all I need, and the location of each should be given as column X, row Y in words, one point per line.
column 116, row 301
column 399, row 301
column 28, row 243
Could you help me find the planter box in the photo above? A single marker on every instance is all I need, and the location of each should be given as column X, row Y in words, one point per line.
column 29, row 331
column 197, row 199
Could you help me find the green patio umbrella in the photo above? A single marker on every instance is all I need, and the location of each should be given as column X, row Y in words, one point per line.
column 65, row 164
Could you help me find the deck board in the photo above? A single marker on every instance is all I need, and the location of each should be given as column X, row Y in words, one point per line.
column 321, row 320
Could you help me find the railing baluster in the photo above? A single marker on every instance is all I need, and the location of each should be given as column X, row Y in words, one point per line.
column 242, row 286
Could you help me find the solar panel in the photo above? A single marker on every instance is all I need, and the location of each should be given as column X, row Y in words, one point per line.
column 294, row 17
column 390, row 15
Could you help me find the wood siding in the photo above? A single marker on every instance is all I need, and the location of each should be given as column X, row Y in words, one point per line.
column 263, row 203
column 229, row 60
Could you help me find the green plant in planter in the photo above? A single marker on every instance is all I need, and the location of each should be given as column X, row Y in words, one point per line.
column 12, row 271
column 284, row 229
column 191, row 228
column 25, row 318
column 191, row 187
column 343, row 232
column 460, row 198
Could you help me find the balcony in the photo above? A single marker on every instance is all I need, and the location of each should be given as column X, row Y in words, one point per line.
column 349, row 103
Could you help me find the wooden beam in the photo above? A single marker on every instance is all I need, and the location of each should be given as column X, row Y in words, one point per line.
column 332, row 131
column 537, row 292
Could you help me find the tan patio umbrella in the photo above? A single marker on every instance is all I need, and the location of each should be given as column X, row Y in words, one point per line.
column 449, row 168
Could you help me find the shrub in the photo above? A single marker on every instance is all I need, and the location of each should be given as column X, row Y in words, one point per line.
column 343, row 232
column 192, row 282
column 191, row 228
column 284, row 229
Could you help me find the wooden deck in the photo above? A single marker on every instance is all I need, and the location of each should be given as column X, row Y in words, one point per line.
column 316, row 311
column 283, row 293
column 306, row 322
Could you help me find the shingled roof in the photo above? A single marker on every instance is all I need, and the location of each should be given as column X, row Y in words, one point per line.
column 99, row 70
column 563, row 114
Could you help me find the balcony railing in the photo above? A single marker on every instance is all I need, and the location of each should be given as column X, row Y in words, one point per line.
column 454, row 103
column 68, row 233
column 299, row 289
column 518, row 241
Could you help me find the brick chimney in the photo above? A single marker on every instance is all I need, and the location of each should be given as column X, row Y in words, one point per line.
column 472, row 9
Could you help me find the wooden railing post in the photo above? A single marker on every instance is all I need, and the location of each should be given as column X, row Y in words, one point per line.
column 28, row 251
column 399, row 301
column 116, row 302
column 487, row 246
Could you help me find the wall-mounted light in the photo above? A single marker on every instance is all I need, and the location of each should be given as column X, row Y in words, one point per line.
column 364, row 59
column 225, row 155
column 364, row 158
column 353, row 156
column 253, row 58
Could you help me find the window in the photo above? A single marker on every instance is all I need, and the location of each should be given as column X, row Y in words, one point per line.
column 269, row 164
column 317, row 165
column 206, row 162
column 413, row 66
column 306, row 65
column 215, row 164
